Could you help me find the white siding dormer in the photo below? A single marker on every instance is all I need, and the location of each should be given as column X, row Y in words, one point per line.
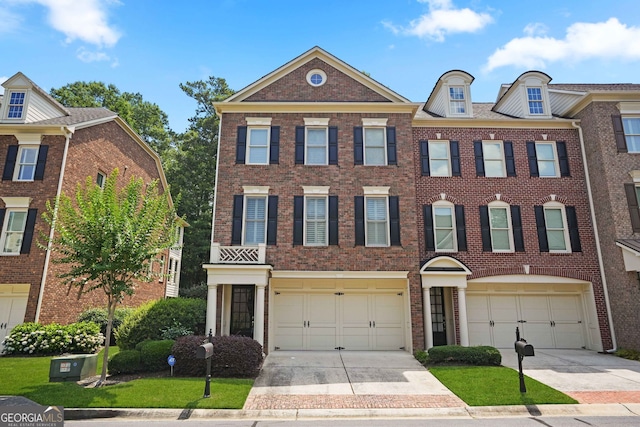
column 527, row 97
column 25, row 102
column 451, row 97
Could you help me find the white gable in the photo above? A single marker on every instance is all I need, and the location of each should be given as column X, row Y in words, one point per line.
column 37, row 104
column 520, row 99
column 440, row 102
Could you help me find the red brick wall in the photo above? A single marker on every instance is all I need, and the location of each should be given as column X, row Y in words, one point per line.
column 523, row 190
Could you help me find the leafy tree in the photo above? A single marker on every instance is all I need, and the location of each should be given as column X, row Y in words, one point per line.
column 146, row 118
column 107, row 237
column 191, row 172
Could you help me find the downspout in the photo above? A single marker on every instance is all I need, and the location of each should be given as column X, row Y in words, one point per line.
column 68, row 133
column 597, row 237
column 215, row 190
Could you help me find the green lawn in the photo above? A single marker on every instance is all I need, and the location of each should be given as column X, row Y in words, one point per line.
column 29, row 377
column 495, row 385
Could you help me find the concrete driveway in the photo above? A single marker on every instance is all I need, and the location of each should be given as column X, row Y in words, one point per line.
column 587, row 376
column 341, row 379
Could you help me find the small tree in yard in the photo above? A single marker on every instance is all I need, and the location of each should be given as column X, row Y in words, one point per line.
column 108, row 237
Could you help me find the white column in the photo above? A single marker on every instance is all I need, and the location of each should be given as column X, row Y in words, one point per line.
column 428, row 326
column 462, row 317
column 212, row 302
column 258, row 319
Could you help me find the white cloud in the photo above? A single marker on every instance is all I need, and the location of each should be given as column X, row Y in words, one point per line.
column 443, row 19
column 85, row 55
column 583, row 41
column 10, row 21
column 534, row 29
column 85, row 20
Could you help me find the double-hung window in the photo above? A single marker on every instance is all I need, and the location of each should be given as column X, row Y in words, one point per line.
column 374, row 146
column 374, row 143
column 13, row 231
column 535, row 102
column 631, row 126
column 16, row 105
column 439, row 160
column 255, row 220
column 27, row 161
column 500, row 226
column 317, row 147
column 493, row 159
column 258, row 146
column 376, row 221
column 457, row 102
column 444, row 228
column 316, row 221
column 557, row 228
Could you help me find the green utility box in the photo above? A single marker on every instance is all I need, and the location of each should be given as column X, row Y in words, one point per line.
column 72, row 367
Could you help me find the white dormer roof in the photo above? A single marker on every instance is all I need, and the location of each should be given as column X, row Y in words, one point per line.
column 30, row 103
column 527, row 97
column 451, row 96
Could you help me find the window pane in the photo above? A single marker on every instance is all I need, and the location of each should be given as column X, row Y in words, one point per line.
column 258, row 137
column 439, row 158
column 376, row 213
column 374, row 137
column 376, row 233
column 28, row 155
column 440, row 168
column 534, row 94
column 257, row 155
column 376, row 209
column 456, row 93
column 633, row 144
column 374, row 156
column 498, row 218
column 444, row 239
column 631, row 126
column 316, row 147
column 443, row 217
column 374, row 149
column 316, row 137
column 493, row 168
column 438, row 150
column 545, row 152
column 15, row 229
column 500, row 240
column 556, row 240
column 492, row 151
column 553, row 218
column 547, row 168
column 555, row 229
column 255, row 220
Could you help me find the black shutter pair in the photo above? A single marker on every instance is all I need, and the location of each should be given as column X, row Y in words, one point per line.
column 27, row 237
column 12, row 159
column 394, row 220
column 429, row 232
column 563, row 158
column 358, row 146
column 634, row 209
column 274, row 145
column 509, row 159
column 454, row 151
column 272, row 219
column 298, row 220
column 516, row 224
column 572, row 225
column 333, row 145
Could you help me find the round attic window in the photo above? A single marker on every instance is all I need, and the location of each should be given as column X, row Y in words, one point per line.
column 316, row 77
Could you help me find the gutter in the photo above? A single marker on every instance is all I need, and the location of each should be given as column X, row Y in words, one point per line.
column 68, row 132
column 597, row 237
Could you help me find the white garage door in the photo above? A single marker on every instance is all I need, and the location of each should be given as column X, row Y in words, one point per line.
column 338, row 320
column 546, row 321
column 12, row 310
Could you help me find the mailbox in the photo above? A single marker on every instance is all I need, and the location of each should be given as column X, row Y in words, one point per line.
column 524, row 349
column 205, row 351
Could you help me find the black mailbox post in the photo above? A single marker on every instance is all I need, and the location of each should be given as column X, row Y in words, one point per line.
column 205, row 351
column 523, row 349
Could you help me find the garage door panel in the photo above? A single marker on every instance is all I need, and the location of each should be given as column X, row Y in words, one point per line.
column 320, row 338
column 480, row 333
column 569, row 335
column 535, row 308
column 565, row 308
column 388, row 338
column 504, row 334
column 478, row 309
column 354, row 338
column 322, row 310
column 538, row 334
column 289, row 318
column 504, row 308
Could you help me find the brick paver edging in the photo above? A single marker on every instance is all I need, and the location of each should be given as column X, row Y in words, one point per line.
column 340, row 401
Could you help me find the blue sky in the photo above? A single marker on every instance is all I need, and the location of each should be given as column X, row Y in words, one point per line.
column 152, row 46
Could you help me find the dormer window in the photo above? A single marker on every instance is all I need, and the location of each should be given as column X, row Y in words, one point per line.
column 534, row 97
column 16, row 105
column 457, row 102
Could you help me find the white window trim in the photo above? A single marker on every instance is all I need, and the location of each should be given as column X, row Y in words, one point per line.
column 364, row 145
column 17, row 202
column 451, row 101
column 445, row 204
column 504, row 160
column 7, row 98
column 501, row 205
column 316, row 123
column 5, row 226
column 556, row 161
column 326, row 219
column 104, row 179
column 567, row 241
column 16, row 169
column 248, row 145
column 543, row 101
column 316, row 71
column 28, row 138
column 626, row 135
column 366, row 221
column 244, row 217
column 447, row 145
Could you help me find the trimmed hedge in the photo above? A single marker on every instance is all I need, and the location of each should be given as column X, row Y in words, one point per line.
column 36, row 339
column 233, row 357
column 148, row 321
column 125, row 362
column 154, row 354
column 455, row 354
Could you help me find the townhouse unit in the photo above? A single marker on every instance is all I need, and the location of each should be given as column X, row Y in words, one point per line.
column 47, row 149
column 348, row 217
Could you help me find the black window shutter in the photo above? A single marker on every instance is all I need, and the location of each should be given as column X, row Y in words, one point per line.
column 274, row 146
column 477, row 151
column 241, row 145
column 236, row 225
column 28, row 231
column 509, row 158
column 10, row 163
column 394, row 220
column 618, row 131
column 333, row 220
column 359, row 218
column 392, row 157
column 542, row 229
column 333, row 145
column 42, row 161
column 485, row 229
column 299, row 145
column 424, row 158
column 563, row 158
column 429, row 239
column 298, row 220
column 358, row 146
column 572, row 224
column 454, row 146
column 461, row 228
column 516, row 223
column 533, row 159
column 272, row 220
column 2, row 212
column 632, row 202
